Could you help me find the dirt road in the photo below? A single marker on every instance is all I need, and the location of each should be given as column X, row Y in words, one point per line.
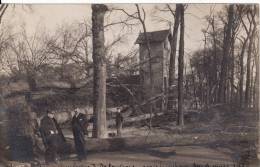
column 162, row 156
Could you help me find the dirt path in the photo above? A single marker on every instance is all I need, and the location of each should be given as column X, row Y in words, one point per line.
column 162, row 156
column 217, row 154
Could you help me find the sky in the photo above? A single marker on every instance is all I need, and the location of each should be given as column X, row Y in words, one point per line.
column 51, row 16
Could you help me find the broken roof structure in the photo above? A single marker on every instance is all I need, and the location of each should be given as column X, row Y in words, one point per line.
column 155, row 36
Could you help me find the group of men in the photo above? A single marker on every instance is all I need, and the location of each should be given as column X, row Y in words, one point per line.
column 54, row 140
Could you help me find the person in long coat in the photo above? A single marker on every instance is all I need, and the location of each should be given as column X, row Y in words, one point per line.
column 79, row 124
column 52, row 137
column 119, row 122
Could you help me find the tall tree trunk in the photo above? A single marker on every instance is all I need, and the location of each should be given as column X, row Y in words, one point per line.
column 257, row 104
column 99, row 91
column 248, row 68
column 226, row 48
column 173, row 43
column 215, row 65
column 253, row 13
column 31, row 78
column 194, row 87
column 241, row 77
column 3, row 152
column 3, row 8
column 87, row 69
column 180, row 68
column 256, row 101
column 252, row 81
column 256, row 86
column 232, row 66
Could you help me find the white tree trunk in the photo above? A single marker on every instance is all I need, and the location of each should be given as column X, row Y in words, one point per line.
column 99, row 87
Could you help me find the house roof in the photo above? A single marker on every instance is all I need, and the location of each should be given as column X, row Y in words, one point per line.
column 131, row 79
column 154, row 36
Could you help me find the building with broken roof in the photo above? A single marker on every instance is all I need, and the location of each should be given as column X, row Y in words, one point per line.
column 160, row 55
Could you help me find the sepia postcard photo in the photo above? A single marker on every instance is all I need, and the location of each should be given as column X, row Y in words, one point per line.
column 129, row 85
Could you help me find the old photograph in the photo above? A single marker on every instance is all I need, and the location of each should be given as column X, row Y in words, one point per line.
column 129, row 85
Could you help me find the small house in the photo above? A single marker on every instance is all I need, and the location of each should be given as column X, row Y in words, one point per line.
column 160, row 55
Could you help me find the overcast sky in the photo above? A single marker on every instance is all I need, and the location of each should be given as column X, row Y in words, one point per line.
column 52, row 16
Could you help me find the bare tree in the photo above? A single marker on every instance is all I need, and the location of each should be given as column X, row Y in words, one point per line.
column 173, row 43
column 69, row 48
column 3, row 156
column 180, row 120
column 226, row 48
column 142, row 21
column 99, row 89
column 244, row 41
column 30, row 55
column 140, row 16
column 252, row 13
column 234, row 34
column 241, row 62
column 256, row 86
column 215, row 70
column 3, row 8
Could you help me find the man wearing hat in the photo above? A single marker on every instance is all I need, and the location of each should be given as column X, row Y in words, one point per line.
column 52, row 136
column 79, row 129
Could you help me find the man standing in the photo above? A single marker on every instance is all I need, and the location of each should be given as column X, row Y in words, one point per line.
column 52, row 136
column 79, row 128
column 119, row 122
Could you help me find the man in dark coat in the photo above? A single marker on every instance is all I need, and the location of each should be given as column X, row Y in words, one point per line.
column 52, row 137
column 119, row 122
column 79, row 128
